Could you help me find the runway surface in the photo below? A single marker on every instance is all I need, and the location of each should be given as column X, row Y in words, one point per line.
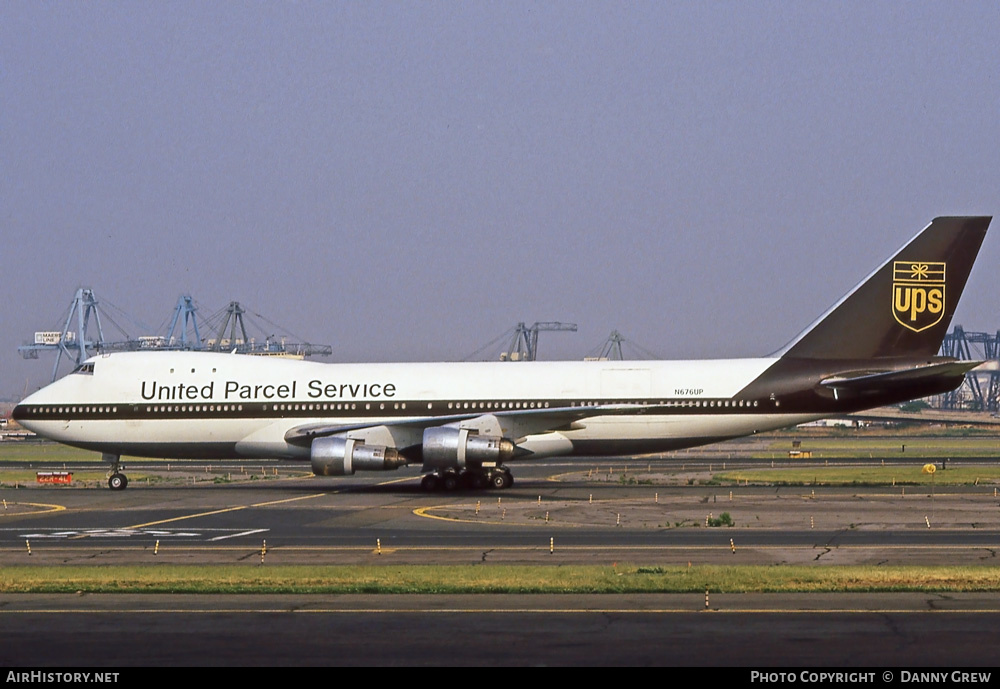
column 753, row 631
column 554, row 514
column 550, row 515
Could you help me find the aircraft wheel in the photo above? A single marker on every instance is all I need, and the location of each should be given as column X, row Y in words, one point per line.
column 500, row 480
column 465, row 479
column 478, row 481
column 449, row 482
column 118, row 482
column 430, row 483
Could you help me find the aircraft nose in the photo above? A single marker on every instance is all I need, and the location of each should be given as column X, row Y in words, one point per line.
column 23, row 411
column 23, row 416
column 19, row 413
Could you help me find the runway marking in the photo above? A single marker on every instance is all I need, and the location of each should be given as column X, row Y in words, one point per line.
column 301, row 497
column 423, row 512
column 227, row 509
column 112, row 533
column 397, row 480
column 117, row 532
column 236, row 535
column 47, row 509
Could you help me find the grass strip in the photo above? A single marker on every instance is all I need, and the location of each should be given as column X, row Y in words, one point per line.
column 911, row 475
column 417, row 579
column 986, row 445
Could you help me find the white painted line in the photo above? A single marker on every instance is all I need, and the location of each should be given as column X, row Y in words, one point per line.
column 243, row 533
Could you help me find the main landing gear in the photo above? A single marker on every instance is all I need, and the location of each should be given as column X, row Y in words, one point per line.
column 116, row 479
column 467, row 479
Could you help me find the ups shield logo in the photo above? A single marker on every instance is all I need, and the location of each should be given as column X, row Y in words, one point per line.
column 917, row 294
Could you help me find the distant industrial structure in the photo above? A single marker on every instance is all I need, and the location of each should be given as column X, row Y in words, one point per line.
column 524, row 345
column 618, row 348
column 981, row 389
column 521, row 342
column 83, row 335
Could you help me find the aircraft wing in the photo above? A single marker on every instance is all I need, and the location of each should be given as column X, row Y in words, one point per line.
column 511, row 423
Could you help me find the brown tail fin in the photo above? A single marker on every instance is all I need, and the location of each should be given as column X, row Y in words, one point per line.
column 905, row 306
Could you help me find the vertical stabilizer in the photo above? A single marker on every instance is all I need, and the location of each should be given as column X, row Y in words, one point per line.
column 905, row 307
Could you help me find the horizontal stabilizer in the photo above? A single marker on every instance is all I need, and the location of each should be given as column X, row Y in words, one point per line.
column 886, row 379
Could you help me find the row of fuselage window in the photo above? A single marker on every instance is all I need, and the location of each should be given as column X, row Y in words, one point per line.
column 396, row 406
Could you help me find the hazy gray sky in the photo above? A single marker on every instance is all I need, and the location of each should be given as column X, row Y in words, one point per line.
column 405, row 181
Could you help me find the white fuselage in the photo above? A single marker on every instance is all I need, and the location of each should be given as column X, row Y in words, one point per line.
column 195, row 404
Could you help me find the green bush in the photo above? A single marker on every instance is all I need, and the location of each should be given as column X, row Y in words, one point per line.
column 723, row 519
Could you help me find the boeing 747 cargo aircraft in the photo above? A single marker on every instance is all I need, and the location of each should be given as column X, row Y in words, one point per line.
column 464, row 422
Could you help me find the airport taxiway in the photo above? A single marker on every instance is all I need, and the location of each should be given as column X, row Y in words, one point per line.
column 828, row 631
column 552, row 515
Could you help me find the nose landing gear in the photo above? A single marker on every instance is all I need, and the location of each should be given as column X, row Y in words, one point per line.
column 118, row 482
column 116, row 479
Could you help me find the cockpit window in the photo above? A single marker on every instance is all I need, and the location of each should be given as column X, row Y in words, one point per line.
column 87, row 368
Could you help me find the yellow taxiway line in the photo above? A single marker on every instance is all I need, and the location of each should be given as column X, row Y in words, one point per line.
column 227, row 509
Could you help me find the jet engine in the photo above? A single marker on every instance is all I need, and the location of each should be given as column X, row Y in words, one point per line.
column 446, row 447
column 336, row 456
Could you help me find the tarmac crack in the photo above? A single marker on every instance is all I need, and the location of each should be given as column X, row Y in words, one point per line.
column 932, row 602
column 826, row 551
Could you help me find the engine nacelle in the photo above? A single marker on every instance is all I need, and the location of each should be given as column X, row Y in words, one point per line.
column 446, row 447
column 343, row 456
